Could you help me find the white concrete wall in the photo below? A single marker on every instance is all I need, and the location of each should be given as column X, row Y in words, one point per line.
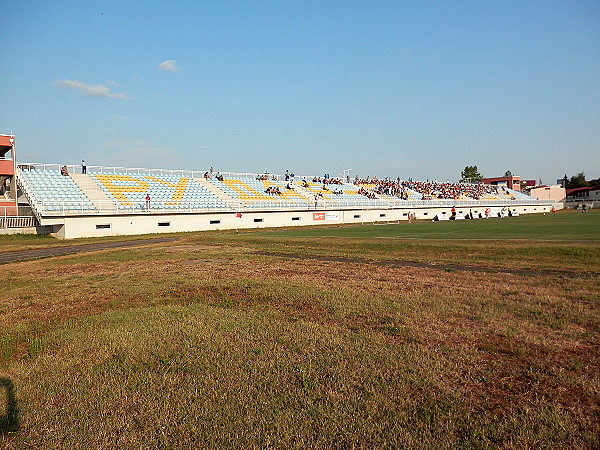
column 91, row 226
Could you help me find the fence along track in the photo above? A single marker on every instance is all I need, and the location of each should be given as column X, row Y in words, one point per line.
column 17, row 217
column 17, row 222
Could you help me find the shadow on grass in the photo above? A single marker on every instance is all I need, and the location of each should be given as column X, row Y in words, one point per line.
column 9, row 421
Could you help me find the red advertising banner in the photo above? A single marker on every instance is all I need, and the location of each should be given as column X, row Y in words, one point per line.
column 318, row 216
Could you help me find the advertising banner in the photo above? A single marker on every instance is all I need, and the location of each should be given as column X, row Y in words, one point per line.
column 326, row 216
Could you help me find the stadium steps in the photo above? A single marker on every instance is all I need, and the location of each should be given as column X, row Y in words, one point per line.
column 310, row 195
column 216, row 191
column 303, row 191
column 93, row 192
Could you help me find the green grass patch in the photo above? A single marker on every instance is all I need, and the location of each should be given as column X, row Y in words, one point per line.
column 567, row 226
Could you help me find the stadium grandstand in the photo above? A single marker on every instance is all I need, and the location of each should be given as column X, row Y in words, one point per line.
column 71, row 202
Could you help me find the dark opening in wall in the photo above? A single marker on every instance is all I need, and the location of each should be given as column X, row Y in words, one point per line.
column 102, row 226
column 258, row 220
column 215, row 222
column 164, row 224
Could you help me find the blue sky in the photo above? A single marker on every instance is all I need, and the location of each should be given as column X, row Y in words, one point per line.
column 389, row 88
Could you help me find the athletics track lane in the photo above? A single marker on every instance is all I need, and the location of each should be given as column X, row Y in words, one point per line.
column 23, row 255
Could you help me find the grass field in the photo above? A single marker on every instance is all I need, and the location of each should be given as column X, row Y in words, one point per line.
column 470, row 334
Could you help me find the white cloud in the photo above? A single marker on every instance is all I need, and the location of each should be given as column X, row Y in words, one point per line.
column 93, row 90
column 169, row 65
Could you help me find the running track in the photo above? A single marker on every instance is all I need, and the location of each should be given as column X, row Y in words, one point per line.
column 23, row 255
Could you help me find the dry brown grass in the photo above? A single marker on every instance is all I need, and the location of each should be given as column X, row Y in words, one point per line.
column 491, row 347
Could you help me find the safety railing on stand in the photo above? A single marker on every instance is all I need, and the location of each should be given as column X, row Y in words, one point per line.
column 70, row 208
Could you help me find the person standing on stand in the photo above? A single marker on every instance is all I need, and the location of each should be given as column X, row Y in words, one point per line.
column 83, row 167
column 147, row 202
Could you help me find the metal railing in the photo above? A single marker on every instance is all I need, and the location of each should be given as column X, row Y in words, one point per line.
column 29, row 193
column 76, row 168
column 72, row 208
column 18, row 222
column 16, row 217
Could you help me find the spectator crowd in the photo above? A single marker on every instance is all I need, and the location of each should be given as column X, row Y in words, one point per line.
column 428, row 190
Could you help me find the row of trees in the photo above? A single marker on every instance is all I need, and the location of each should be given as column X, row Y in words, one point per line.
column 577, row 181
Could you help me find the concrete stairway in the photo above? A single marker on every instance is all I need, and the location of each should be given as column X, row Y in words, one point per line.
column 304, row 192
column 310, row 196
column 92, row 191
column 217, row 192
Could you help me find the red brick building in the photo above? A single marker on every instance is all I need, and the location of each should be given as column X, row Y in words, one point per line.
column 8, row 184
column 511, row 182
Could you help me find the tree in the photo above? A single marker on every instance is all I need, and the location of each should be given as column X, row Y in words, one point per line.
column 470, row 175
column 577, row 181
column 508, row 173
